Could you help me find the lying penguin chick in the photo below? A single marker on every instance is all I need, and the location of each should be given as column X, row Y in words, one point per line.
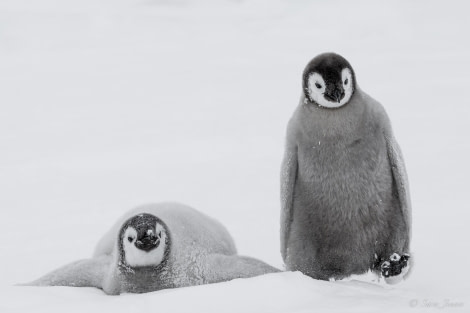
column 344, row 190
column 181, row 247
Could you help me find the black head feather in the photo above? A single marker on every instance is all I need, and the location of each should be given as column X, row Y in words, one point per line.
column 329, row 66
column 147, row 236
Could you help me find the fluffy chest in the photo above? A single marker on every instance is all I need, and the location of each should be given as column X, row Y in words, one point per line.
column 344, row 168
column 341, row 156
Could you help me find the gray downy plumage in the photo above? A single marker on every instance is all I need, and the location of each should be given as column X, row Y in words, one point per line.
column 198, row 250
column 345, row 206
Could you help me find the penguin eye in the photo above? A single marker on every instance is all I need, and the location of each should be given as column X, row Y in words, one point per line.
column 317, row 85
column 130, row 239
column 346, row 81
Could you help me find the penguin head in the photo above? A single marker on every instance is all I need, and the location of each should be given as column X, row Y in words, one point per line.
column 329, row 81
column 143, row 241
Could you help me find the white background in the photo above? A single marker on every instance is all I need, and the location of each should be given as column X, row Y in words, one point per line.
column 105, row 105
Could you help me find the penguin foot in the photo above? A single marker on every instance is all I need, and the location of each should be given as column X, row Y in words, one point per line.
column 395, row 266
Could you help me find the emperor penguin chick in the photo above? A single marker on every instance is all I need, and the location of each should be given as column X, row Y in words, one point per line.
column 345, row 206
column 159, row 246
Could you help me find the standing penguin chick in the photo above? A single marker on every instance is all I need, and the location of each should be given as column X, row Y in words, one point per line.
column 345, row 205
column 155, row 247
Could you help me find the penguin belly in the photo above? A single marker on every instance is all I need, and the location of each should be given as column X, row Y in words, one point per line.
column 341, row 207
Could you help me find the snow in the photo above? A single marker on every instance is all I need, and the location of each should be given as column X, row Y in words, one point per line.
column 105, row 105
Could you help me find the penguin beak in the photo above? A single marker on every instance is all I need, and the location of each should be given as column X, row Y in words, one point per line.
column 334, row 93
column 147, row 242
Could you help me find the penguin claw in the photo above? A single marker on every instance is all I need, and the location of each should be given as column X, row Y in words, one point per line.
column 385, row 265
column 395, row 257
column 395, row 265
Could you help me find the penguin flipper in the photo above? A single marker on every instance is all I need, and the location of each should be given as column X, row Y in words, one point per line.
column 82, row 273
column 400, row 178
column 288, row 177
column 222, row 268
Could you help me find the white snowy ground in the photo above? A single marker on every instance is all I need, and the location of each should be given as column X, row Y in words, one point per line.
column 105, row 105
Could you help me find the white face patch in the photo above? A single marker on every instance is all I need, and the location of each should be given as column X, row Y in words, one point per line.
column 135, row 257
column 317, row 88
column 346, row 77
